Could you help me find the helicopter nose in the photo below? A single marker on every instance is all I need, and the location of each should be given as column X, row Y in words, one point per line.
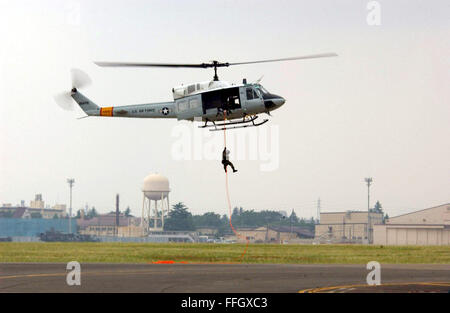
column 273, row 101
column 279, row 101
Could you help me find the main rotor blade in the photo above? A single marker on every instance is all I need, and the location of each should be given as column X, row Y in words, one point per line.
column 122, row 64
column 312, row 56
column 213, row 64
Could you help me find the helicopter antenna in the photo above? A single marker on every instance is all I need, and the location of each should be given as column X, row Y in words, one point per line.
column 214, row 64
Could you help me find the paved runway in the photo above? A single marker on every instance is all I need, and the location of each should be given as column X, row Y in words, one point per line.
column 228, row 278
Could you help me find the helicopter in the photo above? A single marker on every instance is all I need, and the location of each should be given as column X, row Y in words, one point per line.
column 219, row 104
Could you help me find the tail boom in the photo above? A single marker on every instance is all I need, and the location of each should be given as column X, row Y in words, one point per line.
column 89, row 107
column 150, row 110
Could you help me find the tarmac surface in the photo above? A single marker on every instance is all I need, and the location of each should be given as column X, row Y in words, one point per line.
column 225, row 278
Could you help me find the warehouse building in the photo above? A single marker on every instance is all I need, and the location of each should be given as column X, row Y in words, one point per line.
column 20, row 229
column 105, row 225
column 272, row 234
column 58, row 211
column 348, row 226
column 425, row 227
column 37, row 209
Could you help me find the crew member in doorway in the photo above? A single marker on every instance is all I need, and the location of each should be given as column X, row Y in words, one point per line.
column 226, row 161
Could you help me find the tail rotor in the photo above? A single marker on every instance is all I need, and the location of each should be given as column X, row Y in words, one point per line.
column 79, row 80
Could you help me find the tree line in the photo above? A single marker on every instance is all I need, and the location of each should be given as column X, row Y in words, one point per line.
column 180, row 219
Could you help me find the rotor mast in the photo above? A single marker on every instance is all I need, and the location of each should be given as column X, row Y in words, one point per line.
column 216, row 78
column 215, row 65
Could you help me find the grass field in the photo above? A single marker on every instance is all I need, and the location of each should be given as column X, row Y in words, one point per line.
column 192, row 253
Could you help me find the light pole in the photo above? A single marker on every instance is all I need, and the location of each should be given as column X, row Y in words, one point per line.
column 368, row 180
column 70, row 181
column 290, row 224
column 318, row 211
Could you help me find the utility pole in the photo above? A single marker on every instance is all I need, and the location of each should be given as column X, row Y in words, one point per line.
column 70, row 181
column 290, row 224
column 116, row 232
column 318, row 211
column 368, row 180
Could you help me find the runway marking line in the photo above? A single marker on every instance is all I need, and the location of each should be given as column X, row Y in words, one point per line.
column 207, row 263
column 84, row 273
column 117, row 272
column 331, row 288
column 196, row 263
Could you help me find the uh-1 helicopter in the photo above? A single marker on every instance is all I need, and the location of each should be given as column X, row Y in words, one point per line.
column 216, row 102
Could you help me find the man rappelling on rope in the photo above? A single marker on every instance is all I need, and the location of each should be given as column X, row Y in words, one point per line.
column 226, row 152
column 226, row 161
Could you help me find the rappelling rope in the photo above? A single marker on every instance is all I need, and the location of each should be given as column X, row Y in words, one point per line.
column 228, row 191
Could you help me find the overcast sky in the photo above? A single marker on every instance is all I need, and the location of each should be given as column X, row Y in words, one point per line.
column 380, row 109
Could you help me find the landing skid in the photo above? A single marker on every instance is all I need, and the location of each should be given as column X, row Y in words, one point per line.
column 229, row 123
column 245, row 123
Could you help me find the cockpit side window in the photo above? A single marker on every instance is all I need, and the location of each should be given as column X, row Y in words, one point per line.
column 249, row 94
column 262, row 89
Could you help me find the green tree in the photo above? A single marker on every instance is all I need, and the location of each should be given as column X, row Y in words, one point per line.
column 248, row 218
column 208, row 219
column 127, row 212
column 91, row 213
column 179, row 219
column 293, row 218
column 378, row 208
column 225, row 228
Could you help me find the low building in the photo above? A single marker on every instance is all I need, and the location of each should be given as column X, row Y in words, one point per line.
column 47, row 213
column 37, row 203
column 58, row 211
column 209, row 231
column 21, row 229
column 273, row 234
column 37, row 209
column 349, row 226
column 105, row 225
column 424, row 227
column 131, row 231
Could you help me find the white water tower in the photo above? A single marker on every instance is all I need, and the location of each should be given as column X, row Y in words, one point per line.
column 156, row 202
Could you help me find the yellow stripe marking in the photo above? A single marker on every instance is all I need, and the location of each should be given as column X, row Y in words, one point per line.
column 321, row 289
column 82, row 273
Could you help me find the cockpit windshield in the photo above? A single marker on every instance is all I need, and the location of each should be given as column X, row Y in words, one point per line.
column 262, row 89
